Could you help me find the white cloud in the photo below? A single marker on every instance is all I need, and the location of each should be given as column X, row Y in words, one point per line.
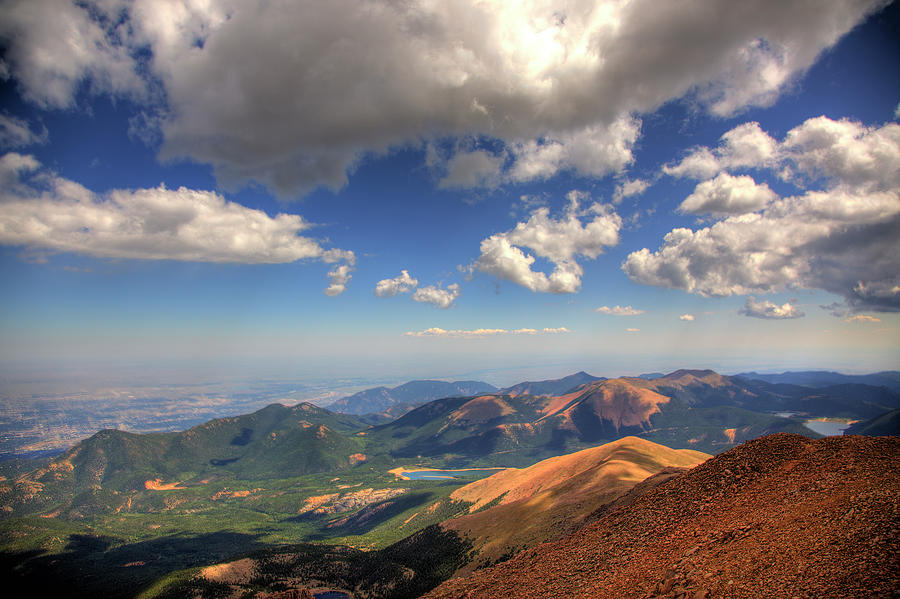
column 686, row 317
column 592, row 151
column 339, row 276
column 629, row 188
column 770, row 310
column 15, row 133
column 846, row 152
column 558, row 240
column 149, row 224
column 699, row 164
column 12, row 167
column 745, row 146
column 842, row 238
column 630, row 330
column 619, row 310
column 391, row 287
column 549, row 81
column 53, row 46
column 437, row 297
column 727, row 194
column 477, row 168
column 438, row 332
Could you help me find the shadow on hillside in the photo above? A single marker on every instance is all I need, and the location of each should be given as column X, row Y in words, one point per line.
column 89, row 567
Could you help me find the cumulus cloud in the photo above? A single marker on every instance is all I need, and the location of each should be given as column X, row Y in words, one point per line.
column 560, row 241
column 630, row 330
column 436, row 296
column 439, row 332
column 619, row 310
column 840, row 234
column 547, row 81
column 338, row 277
column 727, row 194
column 15, row 133
column 46, row 211
column 686, row 317
column 770, row 310
column 629, row 188
column 846, row 153
column 745, row 146
column 391, row 287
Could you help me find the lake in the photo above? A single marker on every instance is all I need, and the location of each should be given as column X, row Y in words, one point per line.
column 826, row 427
column 450, row 474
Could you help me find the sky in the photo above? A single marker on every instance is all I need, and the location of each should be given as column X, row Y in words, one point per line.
column 427, row 188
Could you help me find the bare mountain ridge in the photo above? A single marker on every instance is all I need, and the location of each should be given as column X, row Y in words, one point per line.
column 780, row 516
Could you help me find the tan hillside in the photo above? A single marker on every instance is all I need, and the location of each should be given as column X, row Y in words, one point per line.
column 782, row 516
column 618, row 401
column 537, row 503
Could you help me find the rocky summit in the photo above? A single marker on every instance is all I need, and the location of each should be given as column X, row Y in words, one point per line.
column 781, row 516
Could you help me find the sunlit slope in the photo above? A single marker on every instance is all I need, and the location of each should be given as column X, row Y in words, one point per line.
column 531, row 505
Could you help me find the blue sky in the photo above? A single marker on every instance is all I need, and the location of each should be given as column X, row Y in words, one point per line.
column 610, row 186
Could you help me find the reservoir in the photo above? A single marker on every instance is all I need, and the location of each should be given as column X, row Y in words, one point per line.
column 449, row 474
column 828, row 428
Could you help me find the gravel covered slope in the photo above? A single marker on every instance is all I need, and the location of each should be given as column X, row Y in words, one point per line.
column 781, row 516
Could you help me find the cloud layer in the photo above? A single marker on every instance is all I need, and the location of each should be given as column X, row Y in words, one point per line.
column 41, row 210
column 438, row 332
column 840, row 234
column 555, row 84
column 619, row 311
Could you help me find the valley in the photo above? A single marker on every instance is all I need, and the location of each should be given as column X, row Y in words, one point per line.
column 317, row 498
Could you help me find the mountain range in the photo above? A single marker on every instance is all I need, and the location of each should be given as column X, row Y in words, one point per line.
column 575, row 452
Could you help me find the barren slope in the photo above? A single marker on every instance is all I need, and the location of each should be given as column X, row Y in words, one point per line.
column 542, row 501
column 781, row 516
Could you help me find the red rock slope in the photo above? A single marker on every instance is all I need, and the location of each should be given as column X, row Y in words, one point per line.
column 781, row 516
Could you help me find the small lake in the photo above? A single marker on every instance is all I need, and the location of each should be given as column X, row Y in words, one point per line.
column 827, row 428
column 331, row 595
column 450, row 474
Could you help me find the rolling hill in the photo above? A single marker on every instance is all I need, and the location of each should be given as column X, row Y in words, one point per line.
column 780, row 516
column 98, row 473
